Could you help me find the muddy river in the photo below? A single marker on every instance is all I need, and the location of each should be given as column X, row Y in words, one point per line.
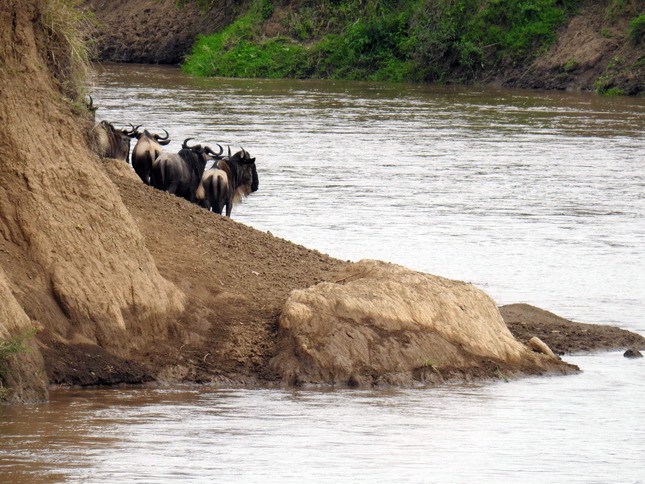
column 534, row 197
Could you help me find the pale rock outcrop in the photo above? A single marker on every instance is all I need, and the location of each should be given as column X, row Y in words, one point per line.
column 383, row 323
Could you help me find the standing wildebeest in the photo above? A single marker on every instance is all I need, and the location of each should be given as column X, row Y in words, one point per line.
column 180, row 173
column 229, row 180
column 110, row 142
column 147, row 149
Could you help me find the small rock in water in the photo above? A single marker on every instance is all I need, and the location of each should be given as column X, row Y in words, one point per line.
column 632, row 353
column 536, row 344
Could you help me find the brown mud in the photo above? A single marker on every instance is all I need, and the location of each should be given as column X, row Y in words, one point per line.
column 237, row 280
column 152, row 31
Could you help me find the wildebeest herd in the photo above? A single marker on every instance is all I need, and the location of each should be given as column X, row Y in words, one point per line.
column 184, row 174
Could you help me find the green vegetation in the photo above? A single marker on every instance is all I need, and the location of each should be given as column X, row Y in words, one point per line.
column 501, row 375
column 637, row 29
column 8, row 349
column 393, row 40
column 570, row 65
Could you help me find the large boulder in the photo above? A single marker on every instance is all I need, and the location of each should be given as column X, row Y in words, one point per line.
column 384, row 324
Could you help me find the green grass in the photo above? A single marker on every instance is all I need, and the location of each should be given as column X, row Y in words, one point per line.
column 8, row 349
column 67, row 53
column 637, row 29
column 385, row 40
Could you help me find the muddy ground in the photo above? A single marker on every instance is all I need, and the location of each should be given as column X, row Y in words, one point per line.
column 236, row 280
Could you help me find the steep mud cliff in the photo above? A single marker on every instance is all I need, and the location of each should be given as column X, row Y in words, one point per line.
column 72, row 255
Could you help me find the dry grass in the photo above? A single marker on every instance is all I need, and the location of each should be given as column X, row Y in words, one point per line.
column 64, row 23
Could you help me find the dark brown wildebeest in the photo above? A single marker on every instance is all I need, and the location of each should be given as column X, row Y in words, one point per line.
column 229, row 180
column 110, row 142
column 147, row 149
column 180, row 173
column 89, row 105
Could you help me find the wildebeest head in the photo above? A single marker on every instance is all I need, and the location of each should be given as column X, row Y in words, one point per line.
column 203, row 153
column 111, row 142
column 248, row 175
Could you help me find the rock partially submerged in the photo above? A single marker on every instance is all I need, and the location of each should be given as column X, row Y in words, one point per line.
column 632, row 353
column 384, row 324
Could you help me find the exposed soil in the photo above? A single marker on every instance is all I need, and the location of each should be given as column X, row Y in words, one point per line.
column 236, row 280
column 153, row 31
column 592, row 52
column 564, row 336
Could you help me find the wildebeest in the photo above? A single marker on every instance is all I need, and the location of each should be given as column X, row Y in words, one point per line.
column 229, row 180
column 89, row 105
column 180, row 173
column 110, row 142
column 147, row 149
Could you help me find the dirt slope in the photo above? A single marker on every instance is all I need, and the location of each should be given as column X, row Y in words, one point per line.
column 236, row 280
column 71, row 253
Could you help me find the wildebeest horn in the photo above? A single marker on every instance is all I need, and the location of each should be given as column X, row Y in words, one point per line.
column 211, row 152
column 185, row 145
column 159, row 137
column 133, row 131
column 229, row 151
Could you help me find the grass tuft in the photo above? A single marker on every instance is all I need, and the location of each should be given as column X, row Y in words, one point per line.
column 63, row 23
column 8, row 349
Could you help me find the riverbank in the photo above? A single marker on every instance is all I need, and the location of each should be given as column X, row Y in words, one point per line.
column 106, row 280
column 237, row 280
column 598, row 47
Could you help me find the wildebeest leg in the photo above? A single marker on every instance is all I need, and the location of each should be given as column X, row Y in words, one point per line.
column 173, row 188
column 146, row 168
column 218, row 207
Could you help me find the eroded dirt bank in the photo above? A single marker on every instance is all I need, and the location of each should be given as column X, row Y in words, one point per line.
column 153, row 31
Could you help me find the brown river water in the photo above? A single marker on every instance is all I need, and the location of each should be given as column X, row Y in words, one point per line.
column 535, row 197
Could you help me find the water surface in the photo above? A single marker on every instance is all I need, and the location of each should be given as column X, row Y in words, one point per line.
column 585, row 428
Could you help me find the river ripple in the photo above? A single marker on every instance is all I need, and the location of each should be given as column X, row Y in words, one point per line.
column 585, row 428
